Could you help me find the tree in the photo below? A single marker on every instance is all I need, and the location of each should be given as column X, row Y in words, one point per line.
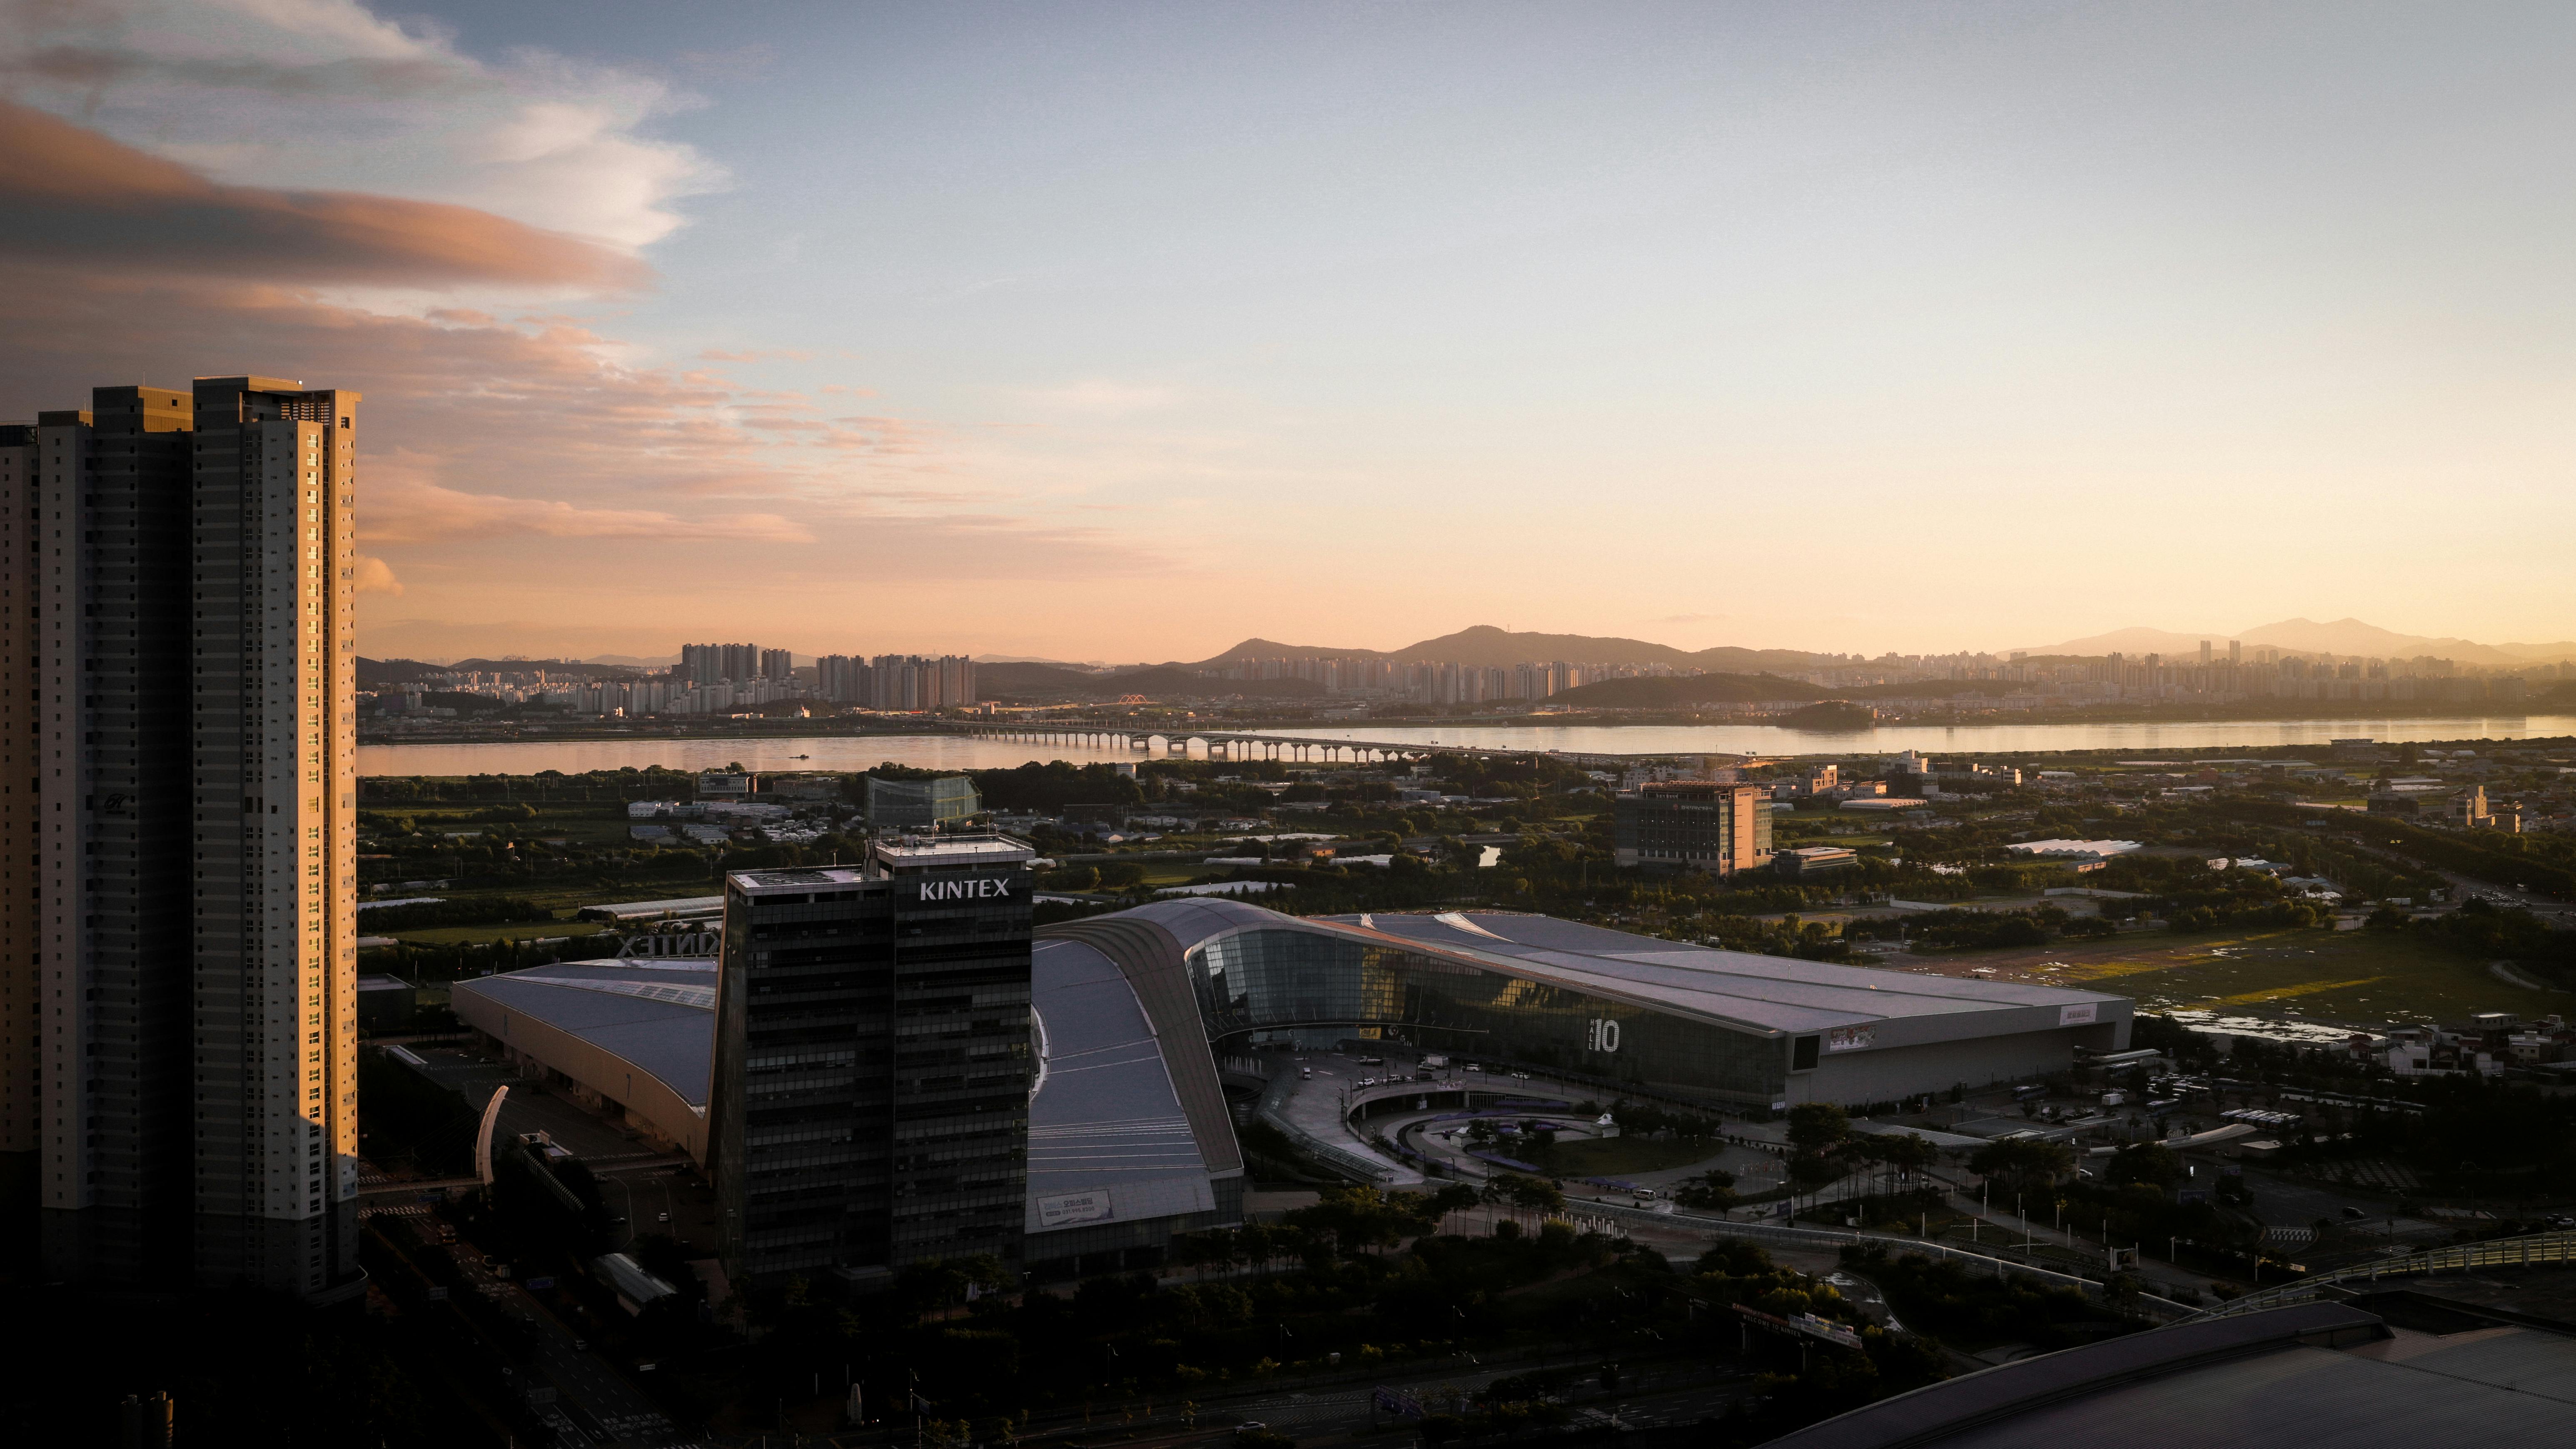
column 1452, row 1197
column 1713, row 1189
column 2025, row 1164
column 1817, row 1127
column 1529, row 1192
column 2151, row 1163
column 1907, row 1153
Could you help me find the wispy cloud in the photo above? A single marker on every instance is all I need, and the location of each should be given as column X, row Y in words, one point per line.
column 417, row 512
column 1101, row 397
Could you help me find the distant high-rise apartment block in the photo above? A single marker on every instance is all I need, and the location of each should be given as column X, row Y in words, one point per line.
column 707, row 663
column 179, row 586
column 898, row 681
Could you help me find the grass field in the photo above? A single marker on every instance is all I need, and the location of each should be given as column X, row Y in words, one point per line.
column 2312, row 975
column 515, row 931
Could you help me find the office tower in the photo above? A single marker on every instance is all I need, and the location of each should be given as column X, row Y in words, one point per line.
column 869, row 1101
column 197, row 884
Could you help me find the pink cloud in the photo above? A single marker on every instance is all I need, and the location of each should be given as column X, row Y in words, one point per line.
column 511, row 459
column 75, row 196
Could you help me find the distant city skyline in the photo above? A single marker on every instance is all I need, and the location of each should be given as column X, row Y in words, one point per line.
column 1129, row 331
column 2343, row 638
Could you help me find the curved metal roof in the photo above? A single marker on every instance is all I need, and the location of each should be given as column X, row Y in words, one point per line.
column 659, row 1018
column 1771, row 994
column 1108, row 1137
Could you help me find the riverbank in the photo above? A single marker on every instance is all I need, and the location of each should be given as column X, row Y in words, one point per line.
column 1808, row 722
column 815, row 745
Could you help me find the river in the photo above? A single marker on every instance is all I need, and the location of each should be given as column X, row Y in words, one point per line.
column 957, row 752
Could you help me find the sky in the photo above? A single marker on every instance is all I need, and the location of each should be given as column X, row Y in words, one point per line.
column 1126, row 331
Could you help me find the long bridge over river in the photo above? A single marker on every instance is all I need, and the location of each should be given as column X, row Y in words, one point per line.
column 1246, row 745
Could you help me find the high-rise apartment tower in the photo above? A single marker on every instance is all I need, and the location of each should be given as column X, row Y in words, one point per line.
column 182, row 592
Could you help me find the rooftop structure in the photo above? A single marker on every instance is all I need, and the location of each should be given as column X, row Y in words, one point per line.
column 1809, row 860
column 920, row 804
column 2074, row 849
column 909, row 856
column 680, row 908
column 2379, row 1369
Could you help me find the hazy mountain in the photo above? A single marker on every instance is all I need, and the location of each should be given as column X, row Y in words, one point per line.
column 1019, row 679
column 1486, row 647
column 2307, row 636
column 1045, row 683
column 376, row 672
column 635, row 661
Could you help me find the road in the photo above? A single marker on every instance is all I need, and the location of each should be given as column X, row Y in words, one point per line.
column 601, row 1399
column 1343, row 1413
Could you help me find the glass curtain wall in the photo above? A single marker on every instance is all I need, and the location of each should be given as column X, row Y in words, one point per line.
column 1314, row 989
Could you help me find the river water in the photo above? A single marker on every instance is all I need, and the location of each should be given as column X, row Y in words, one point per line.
column 955, row 752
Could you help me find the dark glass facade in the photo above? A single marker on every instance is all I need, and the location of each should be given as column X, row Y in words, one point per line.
column 869, row 1105
column 1314, row 988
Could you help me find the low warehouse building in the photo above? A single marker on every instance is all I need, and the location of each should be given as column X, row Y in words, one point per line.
column 630, row 1034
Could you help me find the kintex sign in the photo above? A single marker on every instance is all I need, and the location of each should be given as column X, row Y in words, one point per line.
column 929, row 889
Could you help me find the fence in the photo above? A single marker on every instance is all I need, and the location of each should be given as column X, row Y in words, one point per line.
column 1355, row 1165
column 2148, row 1304
column 2493, row 1253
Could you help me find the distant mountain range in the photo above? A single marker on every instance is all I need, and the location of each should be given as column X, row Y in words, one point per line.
column 375, row 672
column 2307, row 636
column 1486, row 647
column 1046, row 684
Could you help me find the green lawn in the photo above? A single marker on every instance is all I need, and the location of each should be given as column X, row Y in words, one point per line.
column 515, row 931
column 2358, row 976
